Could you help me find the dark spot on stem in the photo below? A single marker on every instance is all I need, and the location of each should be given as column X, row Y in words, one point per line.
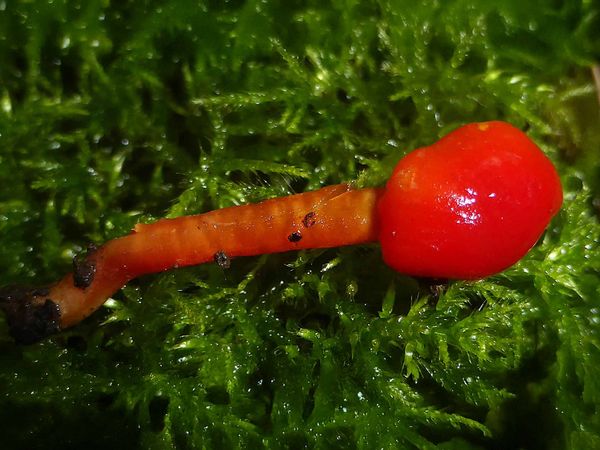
column 83, row 273
column 84, row 269
column 296, row 236
column 29, row 317
column 309, row 219
column 222, row 259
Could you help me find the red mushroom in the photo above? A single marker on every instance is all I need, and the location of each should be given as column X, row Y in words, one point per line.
column 465, row 207
column 468, row 206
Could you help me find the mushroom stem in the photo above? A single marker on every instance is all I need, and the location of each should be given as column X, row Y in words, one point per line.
column 329, row 217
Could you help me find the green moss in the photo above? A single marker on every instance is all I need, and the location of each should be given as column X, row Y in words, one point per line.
column 118, row 112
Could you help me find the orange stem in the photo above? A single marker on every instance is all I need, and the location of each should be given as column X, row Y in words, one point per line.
column 330, row 217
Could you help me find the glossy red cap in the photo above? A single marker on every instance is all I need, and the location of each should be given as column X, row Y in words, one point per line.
column 468, row 206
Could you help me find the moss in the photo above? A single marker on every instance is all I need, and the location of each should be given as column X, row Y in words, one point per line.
column 118, row 112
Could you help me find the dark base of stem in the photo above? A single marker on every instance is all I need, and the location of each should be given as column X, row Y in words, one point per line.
column 29, row 315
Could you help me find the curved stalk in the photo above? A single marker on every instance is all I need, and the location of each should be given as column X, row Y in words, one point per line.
column 329, row 217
